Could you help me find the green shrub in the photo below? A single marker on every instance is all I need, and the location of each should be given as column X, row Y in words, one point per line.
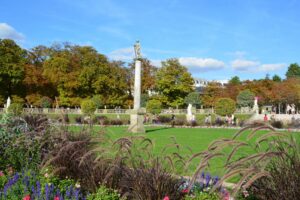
column 17, row 99
column 203, row 196
column 46, row 102
column 104, row 193
column 193, row 98
column 154, row 106
column 88, row 107
column 15, row 109
column 225, row 106
column 98, row 101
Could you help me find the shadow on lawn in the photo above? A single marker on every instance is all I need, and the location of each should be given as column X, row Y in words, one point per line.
column 157, row 129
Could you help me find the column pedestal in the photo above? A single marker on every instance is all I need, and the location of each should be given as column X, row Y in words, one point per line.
column 137, row 121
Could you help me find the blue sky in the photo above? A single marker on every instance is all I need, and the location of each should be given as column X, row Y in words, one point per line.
column 215, row 39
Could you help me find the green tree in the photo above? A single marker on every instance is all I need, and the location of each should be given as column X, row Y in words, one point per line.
column 113, row 85
column 12, row 61
column 63, row 73
column 276, row 78
column 245, row 98
column 235, row 80
column 154, row 106
column 174, row 82
column 225, row 106
column 293, row 71
column 193, row 98
column 97, row 99
column 88, row 107
column 15, row 109
column 144, row 100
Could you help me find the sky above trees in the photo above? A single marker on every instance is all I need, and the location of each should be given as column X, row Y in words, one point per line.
column 214, row 39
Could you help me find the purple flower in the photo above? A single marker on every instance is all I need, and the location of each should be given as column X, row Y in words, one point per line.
column 38, row 188
column 47, row 192
column 207, row 179
column 215, row 180
column 76, row 194
column 33, row 192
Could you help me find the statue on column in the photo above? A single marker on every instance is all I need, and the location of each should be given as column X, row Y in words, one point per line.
column 137, row 50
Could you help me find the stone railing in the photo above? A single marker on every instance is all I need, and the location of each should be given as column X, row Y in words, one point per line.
column 113, row 111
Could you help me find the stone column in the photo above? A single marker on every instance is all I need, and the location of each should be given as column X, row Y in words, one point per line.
column 137, row 85
column 137, row 114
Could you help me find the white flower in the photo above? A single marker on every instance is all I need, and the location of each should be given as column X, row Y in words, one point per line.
column 77, row 185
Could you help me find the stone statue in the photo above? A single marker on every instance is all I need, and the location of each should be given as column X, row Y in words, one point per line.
column 189, row 109
column 137, row 50
column 255, row 101
column 8, row 102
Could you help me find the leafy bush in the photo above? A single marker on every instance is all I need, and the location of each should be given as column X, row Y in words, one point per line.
column 79, row 120
column 203, row 196
column 15, row 109
column 88, row 107
column 116, row 122
column 219, row 122
column 104, row 193
column 17, row 99
column 295, row 123
column 98, row 101
column 154, row 106
column 180, row 122
column 46, row 102
column 102, row 120
column 225, row 106
column 64, row 118
column 277, row 124
column 164, row 119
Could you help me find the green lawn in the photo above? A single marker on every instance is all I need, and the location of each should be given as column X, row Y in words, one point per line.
column 197, row 139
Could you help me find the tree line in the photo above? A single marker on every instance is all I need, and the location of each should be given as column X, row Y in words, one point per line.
column 65, row 74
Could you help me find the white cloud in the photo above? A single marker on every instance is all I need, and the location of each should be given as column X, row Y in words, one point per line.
column 244, row 65
column 204, row 64
column 271, row 67
column 255, row 66
column 124, row 54
column 8, row 32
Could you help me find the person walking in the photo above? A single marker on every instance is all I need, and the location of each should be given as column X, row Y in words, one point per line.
column 265, row 118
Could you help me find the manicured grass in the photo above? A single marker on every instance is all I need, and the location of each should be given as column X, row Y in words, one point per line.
column 196, row 139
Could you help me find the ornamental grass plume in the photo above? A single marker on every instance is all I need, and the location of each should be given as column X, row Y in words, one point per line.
column 247, row 168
